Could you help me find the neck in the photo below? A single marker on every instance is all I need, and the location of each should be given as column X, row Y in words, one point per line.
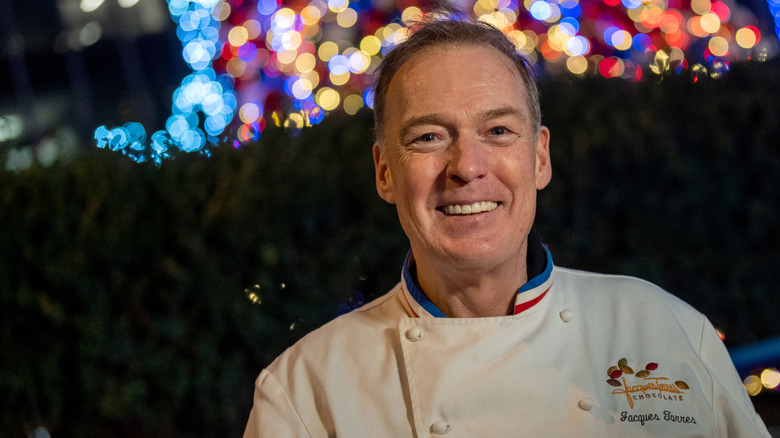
column 473, row 291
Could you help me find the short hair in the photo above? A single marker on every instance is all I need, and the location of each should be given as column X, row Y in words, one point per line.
column 444, row 30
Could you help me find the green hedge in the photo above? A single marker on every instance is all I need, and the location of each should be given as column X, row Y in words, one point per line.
column 125, row 289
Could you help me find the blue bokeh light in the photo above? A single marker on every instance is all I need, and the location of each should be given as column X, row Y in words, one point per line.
column 200, row 92
column 641, row 42
column 267, row 7
column 540, row 10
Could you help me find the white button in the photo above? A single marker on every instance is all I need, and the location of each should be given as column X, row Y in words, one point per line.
column 414, row 334
column 440, row 428
column 566, row 315
column 586, row 404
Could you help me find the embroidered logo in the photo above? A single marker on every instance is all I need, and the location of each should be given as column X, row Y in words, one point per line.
column 644, row 384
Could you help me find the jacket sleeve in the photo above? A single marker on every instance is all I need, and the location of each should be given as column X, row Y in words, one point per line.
column 273, row 415
column 732, row 406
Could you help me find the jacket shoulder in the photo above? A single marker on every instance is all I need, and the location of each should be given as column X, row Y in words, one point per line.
column 622, row 290
column 363, row 326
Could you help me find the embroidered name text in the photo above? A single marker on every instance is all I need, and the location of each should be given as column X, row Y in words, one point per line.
column 640, row 418
column 668, row 416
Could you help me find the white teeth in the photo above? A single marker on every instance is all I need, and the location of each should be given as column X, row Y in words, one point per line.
column 477, row 207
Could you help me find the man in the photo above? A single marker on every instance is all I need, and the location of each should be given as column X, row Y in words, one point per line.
column 484, row 336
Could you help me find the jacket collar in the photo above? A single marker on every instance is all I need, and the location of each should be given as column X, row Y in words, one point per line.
column 539, row 267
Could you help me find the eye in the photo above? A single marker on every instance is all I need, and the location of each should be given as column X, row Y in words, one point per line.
column 499, row 130
column 427, row 137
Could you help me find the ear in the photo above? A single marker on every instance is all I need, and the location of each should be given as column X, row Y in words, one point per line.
column 543, row 165
column 384, row 179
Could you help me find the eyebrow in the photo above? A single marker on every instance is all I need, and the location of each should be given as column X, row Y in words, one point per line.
column 501, row 112
column 438, row 119
column 428, row 119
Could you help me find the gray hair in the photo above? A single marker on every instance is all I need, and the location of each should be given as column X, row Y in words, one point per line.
column 455, row 32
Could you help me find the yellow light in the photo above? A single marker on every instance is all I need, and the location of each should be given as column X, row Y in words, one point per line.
column 719, row 46
column 651, row 16
column 498, row 20
column 701, row 7
column 410, row 15
column 286, row 59
column 305, row 63
column 221, row 11
column 635, row 14
column 249, row 112
column 339, row 79
column 327, row 50
column 710, row 23
column 621, row 40
column 291, row 40
column 525, row 42
column 235, row 67
column 286, row 16
column 752, row 385
column 352, row 104
column 577, row 64
column 238, row 36
column 347, row 18
column 327, row 98
column 253, row 28
column 387, row 31
column 556, row 38
column 509, row 15
column 370, row 45
column 312, row 33
column 770, row 378
column 746, row 38
column 294, row 121
column 313, row 77
column 400, row 35
column 517, row 37
column 483, row 7
column 311, row 15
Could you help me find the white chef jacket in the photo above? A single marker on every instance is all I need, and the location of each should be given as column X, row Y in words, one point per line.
column 588, row 355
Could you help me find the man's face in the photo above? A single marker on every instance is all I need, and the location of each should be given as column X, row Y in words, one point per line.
column 458, row 139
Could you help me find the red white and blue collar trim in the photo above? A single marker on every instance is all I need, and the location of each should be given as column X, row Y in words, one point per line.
column 530, row 294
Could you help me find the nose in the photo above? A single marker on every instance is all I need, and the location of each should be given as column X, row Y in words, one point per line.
column 468, row 160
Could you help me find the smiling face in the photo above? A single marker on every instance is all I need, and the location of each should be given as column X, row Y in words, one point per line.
column 460, row 160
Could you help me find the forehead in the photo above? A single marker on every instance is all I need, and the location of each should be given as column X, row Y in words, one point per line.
column 456, row 80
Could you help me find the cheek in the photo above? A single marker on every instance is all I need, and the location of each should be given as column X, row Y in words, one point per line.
column 418, row 179
column 518, row 171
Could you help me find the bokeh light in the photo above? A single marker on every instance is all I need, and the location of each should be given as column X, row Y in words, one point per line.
column 202, row 92
column 770, row 378
column 293, row 62
column 753, row 385
column 748, row 37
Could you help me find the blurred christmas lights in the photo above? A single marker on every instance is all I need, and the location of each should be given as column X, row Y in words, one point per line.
column 204, row 103
column 292, row 63
column 768, row 379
